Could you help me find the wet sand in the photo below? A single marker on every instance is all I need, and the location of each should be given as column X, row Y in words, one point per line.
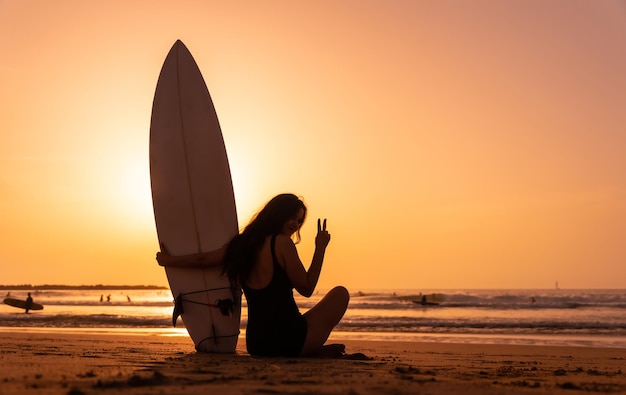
column 106, row 363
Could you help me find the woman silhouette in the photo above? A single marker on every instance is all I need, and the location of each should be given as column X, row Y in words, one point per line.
column 264, row 260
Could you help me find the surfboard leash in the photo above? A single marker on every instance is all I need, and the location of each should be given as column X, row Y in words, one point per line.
column 215, row 338
column 226, row 306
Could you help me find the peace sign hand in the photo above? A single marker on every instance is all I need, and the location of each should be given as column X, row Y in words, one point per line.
column 323, row 237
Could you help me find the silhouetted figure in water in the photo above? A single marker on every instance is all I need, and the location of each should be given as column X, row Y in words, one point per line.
column 128, row 297
column 29, row 303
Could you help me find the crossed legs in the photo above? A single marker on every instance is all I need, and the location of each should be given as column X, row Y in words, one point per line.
column 321, row 319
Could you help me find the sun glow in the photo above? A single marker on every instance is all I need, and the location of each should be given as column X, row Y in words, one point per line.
column 131, row 188
column 442, row 145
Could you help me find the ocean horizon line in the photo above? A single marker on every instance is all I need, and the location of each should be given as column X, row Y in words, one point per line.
column 363, row 291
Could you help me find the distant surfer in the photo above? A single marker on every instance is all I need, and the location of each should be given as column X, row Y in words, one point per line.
column 265, row 261
column 29, row 303
column 423, row 300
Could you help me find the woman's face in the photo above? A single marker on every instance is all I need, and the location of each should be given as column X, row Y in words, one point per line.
column 293, row 224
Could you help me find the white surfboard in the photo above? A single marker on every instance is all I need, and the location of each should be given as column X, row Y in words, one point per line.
column 193, row 199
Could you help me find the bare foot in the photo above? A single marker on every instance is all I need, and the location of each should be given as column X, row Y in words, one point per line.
column 331, row 351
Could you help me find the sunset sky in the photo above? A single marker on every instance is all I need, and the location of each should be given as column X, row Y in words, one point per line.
column 450, row 144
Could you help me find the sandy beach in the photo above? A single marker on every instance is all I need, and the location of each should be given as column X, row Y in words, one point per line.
column 104, row 363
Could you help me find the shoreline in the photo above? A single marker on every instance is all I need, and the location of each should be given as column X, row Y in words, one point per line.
column 96, row 363
column 558, row 340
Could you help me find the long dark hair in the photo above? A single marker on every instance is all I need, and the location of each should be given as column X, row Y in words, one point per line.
column 243, row 249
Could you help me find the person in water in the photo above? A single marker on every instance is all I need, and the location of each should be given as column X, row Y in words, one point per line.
column 263, row 259
column 29, row 303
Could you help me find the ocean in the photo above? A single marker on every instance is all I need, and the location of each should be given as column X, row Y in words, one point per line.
column 593, row 318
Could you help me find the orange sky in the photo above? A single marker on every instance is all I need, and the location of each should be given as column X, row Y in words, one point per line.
column 450, row 144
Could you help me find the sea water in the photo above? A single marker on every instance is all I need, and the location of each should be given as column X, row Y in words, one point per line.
column 556, row 317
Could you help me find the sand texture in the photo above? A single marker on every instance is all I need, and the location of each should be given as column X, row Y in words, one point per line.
column 102, row 363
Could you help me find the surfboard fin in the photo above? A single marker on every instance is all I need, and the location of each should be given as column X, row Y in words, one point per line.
column 178, row 309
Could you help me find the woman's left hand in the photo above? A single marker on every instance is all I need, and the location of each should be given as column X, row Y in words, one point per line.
column 162, row 258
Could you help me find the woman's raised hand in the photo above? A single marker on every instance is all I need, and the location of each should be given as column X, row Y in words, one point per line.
column 323, row 237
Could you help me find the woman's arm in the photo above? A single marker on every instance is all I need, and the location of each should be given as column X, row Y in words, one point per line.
column 304, row 281
column 212, row 258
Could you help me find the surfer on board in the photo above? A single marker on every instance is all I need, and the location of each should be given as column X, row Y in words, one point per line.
column 264, row 260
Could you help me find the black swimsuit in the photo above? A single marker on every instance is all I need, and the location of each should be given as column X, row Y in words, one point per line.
column 275, row 325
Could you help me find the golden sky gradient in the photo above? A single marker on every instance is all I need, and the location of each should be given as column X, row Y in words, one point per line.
column 450, row 144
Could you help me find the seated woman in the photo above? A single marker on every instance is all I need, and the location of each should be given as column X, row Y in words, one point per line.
column 265, row 261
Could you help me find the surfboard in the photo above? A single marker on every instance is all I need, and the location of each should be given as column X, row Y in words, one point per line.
column 22, row 304
column 193, row 200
